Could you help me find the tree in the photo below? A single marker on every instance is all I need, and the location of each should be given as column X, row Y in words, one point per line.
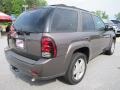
column 117, row 16
column 35, row 3
column 5, row 6
column 101, row 14
column 1, row 5
column 16, row 6
column 42, row 3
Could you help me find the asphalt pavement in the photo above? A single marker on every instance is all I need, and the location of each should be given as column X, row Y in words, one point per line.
column 103, row 73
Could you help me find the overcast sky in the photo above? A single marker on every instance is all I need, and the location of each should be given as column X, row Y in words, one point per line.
column 110, row 6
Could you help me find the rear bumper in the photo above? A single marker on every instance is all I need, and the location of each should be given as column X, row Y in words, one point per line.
column 117, row 32
column 45, row 68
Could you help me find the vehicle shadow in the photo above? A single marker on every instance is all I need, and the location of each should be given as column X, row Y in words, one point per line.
column 27, row 79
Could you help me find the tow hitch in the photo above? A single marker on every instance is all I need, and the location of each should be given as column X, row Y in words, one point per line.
column 15, row 69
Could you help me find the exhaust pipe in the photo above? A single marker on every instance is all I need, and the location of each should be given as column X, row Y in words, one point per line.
column 33, row 79
column 15, row 69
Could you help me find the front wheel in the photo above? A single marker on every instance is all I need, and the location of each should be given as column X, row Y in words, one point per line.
column 111, row 49
column 76, row 69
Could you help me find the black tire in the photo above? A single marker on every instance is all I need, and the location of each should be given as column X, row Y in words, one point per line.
column 69, row 74
column 117, row 35
column 110, row 51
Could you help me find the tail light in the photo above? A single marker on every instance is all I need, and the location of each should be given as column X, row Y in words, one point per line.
column 48, row 47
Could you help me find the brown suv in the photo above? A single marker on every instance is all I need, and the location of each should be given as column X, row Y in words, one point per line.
column 57, row 40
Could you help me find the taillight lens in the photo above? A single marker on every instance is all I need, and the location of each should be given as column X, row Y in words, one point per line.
column 48, row 47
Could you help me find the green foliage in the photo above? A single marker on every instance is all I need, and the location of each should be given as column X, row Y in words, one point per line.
column 5, row 6
column 35, row 3
column 117, row 16
column 16, row 6
column 101, row 14
column 42, row 3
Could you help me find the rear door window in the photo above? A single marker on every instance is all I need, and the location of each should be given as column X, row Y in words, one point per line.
column 64, row 20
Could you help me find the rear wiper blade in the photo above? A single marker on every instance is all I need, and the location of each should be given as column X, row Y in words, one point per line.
column 23, row 32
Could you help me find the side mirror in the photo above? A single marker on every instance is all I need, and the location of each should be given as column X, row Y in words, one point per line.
column 108, row 28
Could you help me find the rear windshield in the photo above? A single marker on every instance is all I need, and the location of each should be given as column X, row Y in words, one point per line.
column 32, row 21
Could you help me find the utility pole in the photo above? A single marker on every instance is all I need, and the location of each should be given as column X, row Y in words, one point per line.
column 25, row 6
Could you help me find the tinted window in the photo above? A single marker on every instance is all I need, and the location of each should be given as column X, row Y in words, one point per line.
column 64, row 21
column 32, row 21
column 115, row 21
column 99, row 25
column 87, row 22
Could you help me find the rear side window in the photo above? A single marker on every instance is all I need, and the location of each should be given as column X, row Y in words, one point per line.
column 32, row 21
column 64, row 21
column 87, row 22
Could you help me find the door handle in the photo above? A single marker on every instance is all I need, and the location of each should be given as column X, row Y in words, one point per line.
column 106, row 36
column 86, row 37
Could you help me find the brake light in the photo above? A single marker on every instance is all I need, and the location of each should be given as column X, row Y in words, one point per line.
column 48, row 47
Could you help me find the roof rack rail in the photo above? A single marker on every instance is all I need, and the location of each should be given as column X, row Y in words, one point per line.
column 59, row 5
column 63, row 5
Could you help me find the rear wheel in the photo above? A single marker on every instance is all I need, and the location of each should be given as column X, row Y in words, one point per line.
column 76, row 69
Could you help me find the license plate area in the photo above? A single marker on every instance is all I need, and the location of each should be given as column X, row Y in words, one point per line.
column 20, row 43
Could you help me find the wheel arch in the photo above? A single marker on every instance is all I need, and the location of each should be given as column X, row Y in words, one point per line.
column 82, row 47
column 84, row 50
